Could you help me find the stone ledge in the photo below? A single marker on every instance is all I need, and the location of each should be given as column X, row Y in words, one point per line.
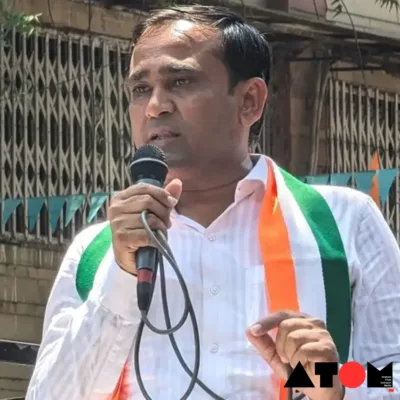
column 40, row 258
column 24, row 290
column 13, row 384
column 15, row 371
column 22, row 271
column 23, row 309
column 21, row 328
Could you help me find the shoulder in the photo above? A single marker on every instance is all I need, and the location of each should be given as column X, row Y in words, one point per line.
column 348, row 207
column 64, row 294
column 364, row 230
column 344, row 199
column 68, row 270
column 76, row 249
column 83, row 239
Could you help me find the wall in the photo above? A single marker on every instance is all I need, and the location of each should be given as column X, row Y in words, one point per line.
column 302, row 88
column 74, row 15
column 315, row 7
column 368, row 16
column 377, row 79
column 26, row 277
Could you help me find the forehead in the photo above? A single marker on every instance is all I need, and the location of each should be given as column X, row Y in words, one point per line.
column 181, row 41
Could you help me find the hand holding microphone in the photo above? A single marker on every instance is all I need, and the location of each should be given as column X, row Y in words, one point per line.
column 124, row 214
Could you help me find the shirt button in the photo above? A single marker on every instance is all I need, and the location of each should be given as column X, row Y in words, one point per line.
column 214, row 289
column 214, row 348
column 211, row 237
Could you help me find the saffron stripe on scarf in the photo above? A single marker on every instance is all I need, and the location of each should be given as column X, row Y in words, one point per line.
column 277, row 257
column 121, row 392
column 334, row 262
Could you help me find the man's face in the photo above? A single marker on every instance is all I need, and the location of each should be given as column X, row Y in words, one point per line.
column 180, row 99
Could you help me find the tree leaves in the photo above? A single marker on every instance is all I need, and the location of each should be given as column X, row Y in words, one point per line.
column 21, row 22
column 391, row 4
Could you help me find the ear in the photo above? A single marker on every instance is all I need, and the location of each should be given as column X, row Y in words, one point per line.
column 254, row 97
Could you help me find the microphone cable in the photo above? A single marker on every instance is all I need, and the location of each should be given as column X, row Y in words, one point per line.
column 160, row 241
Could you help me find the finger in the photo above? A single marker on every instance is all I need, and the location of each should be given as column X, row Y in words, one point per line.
column 174, row 188
column 134, row 222
column 132, row 239
column 264, row 325
column 294, row 340
column 266, row 347
column 157, row 193
column 320, row 351
column 287, row 327
column 138, row 204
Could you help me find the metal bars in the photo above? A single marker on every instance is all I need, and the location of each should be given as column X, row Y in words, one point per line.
column 364, row 121
column 64, row 124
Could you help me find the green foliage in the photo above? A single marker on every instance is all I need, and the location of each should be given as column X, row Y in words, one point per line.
column 339, row 7
column 21, row 22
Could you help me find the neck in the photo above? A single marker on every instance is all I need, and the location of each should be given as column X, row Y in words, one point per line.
column 214, row 175
column 207, row 192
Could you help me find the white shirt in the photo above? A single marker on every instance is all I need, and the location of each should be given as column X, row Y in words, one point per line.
column 85, row 344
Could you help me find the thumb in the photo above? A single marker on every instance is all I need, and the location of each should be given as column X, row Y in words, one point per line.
column 174, row 188
column 267, row 349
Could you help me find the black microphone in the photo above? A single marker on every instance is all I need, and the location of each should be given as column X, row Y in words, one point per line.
column 148, row 166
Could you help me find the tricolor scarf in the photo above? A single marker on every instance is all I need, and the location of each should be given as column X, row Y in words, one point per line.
column 300, row 243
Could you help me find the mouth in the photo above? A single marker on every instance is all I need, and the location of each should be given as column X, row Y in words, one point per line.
column 163, row 135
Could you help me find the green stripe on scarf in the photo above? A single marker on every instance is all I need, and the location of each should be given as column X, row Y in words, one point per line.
column 333, row 257
column 90, row 262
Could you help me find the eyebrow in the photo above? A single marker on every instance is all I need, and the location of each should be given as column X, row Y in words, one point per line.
column 170, row 69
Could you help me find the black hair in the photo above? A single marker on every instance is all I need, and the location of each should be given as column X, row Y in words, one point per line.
column 245, row 52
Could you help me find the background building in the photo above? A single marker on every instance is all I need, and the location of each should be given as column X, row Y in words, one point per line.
column 64, row 127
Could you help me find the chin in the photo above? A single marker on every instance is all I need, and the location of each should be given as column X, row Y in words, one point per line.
column 175, row 160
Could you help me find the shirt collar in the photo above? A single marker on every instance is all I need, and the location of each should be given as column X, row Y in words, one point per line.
column 255, row 180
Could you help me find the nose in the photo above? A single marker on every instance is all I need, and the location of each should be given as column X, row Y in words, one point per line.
column 159, row 104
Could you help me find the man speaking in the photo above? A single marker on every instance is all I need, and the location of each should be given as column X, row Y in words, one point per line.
column 277, row 271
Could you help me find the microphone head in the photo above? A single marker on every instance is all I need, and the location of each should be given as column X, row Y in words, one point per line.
column 149, row 151
column 149, row 165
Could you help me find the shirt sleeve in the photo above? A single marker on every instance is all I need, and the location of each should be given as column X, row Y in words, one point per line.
column 376, row 301
column 85, row 344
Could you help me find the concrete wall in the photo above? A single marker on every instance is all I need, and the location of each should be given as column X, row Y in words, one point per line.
column 67, row 14
column 367, row 16
column 26, row 277
column 315, row 7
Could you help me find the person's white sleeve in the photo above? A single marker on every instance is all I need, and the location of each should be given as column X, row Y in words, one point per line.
column 376, row 302
column 85, row 344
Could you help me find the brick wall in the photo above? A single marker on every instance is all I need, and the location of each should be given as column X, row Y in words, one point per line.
column 26, row 278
